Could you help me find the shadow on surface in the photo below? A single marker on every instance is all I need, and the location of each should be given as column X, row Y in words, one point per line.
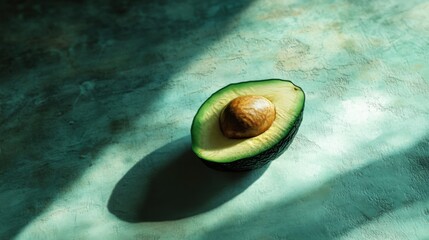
column 172, row 183
column 75, row 77
column 342, row 204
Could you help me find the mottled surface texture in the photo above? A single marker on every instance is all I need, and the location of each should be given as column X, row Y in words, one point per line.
column 97, row 100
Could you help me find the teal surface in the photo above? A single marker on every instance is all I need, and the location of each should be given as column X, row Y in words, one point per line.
column 97, row 100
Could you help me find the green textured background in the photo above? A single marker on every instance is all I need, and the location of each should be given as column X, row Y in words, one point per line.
column 97, row 100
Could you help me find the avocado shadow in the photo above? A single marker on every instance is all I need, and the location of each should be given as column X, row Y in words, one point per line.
column 76, row 76
column 172, row 183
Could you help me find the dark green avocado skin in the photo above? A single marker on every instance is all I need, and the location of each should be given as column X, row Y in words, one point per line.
column 261, row 159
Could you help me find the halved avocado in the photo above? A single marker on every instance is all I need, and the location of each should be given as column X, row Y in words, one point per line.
column 218, row 150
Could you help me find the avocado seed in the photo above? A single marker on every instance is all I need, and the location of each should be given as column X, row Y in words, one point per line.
column 247, row 116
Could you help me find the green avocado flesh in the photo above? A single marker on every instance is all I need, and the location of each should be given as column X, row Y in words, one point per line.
column 218, row 151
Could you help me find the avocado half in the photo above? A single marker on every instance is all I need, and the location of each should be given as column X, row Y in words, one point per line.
column 223, row 153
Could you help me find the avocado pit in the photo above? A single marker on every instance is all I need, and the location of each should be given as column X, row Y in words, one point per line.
column 247, row 116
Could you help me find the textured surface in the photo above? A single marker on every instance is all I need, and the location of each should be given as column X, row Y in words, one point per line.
column 96, row 96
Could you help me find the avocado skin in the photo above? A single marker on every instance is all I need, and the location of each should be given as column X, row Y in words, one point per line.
column 261, row 159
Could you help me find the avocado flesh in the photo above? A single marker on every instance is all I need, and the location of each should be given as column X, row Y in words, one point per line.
column 218, row 151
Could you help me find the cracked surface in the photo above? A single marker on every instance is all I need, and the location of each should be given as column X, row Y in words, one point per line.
column 89, row 89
